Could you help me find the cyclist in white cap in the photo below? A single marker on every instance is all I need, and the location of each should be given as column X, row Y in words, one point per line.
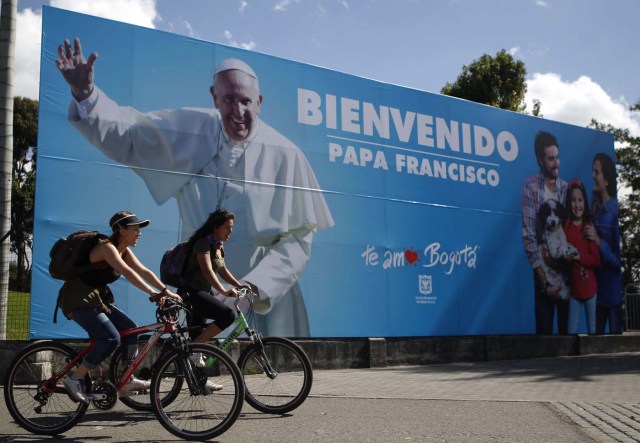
column 87, row 299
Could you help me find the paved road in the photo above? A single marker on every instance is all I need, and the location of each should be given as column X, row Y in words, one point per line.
column 567, row 399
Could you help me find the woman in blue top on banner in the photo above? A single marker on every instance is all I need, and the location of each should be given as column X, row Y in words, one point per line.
column 606, row 234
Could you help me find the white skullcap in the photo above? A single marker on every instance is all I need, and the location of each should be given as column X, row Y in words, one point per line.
column 229, row 64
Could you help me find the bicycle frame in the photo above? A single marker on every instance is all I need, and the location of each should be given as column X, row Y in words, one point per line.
column 158, row 329
column 168, row 326
column 243, row 326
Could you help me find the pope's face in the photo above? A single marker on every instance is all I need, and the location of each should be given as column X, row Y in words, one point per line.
column 238, row 98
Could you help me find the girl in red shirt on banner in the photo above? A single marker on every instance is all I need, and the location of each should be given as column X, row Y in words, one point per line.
column 583, row 278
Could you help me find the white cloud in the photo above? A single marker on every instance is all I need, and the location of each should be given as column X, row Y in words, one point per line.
column 578, row 102
column 27, row 58
column 29, row 32
column 135, row 12
column 233, row 42
column 177, row 25
column 191, row 32
column 281, row 6
column 513, row 51
column 249, row 45
column 243, row 6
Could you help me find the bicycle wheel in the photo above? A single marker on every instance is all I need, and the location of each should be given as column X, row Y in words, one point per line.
column 198, row 413
column 33, row 390
column 140, row 401
column 277, row 376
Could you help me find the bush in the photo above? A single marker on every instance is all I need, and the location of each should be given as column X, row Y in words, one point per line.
column 24, row 284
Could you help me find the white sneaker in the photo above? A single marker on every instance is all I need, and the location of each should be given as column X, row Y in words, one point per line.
column 212, row 387
column 198, row 360
column 75, row 388
column 134, row 385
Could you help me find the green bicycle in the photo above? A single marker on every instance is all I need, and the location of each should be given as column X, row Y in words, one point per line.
column 276, row 371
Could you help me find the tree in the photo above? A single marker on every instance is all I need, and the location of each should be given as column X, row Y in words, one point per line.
column 496, row 81
column 25, row 125
column 537, row 108
column 628, row 163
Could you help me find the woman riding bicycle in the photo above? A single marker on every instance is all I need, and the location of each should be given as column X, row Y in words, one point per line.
column 204, row 265
column 88, row 301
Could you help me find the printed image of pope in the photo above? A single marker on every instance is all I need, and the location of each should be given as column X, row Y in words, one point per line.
column 222, row 157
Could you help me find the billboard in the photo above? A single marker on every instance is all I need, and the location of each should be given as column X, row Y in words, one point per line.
column 363, row 209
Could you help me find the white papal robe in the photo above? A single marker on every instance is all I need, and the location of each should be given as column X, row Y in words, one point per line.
column 271, row 188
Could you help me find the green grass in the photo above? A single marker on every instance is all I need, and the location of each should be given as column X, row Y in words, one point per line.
column 18, row 307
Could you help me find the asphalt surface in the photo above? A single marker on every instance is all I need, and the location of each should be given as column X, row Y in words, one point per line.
column 567, row 399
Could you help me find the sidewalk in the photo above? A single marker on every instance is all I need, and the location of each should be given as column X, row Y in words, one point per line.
column 600, row 393
column 596, row 378
column 564, row 399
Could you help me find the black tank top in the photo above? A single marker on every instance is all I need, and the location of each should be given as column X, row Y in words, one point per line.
column 101, row 275
column 98, row 278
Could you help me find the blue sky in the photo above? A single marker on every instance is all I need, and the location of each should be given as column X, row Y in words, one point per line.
column 582, row 56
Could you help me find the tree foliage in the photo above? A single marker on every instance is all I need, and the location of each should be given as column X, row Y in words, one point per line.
column 496, row 81
column 628, row 163
column 25, row 133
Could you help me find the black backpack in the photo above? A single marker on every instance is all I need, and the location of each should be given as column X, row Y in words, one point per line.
column 70, row 255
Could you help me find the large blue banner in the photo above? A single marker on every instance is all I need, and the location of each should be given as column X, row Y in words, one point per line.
column 363, row 209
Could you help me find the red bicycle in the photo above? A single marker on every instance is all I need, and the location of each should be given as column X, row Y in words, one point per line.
column 39, row 402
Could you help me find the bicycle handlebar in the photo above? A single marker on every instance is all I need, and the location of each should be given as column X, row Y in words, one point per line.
column 170, row 309
column 243, row 292
column 172, row 305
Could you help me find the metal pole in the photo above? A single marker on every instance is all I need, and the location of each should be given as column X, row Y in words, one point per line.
column 7, row 57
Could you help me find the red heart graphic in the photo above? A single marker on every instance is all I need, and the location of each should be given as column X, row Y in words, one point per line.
column 411, row 256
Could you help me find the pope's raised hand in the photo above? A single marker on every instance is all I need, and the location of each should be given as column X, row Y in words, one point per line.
column 77, row 71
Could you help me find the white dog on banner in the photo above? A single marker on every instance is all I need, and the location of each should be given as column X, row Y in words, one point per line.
column 551, row 238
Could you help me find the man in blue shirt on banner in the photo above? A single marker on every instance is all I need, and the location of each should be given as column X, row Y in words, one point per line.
column 217, row 158
column 546, row 185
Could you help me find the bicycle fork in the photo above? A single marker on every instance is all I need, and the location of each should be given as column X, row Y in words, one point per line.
column 188, row 368
column 263, row 361
column 261, row 355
